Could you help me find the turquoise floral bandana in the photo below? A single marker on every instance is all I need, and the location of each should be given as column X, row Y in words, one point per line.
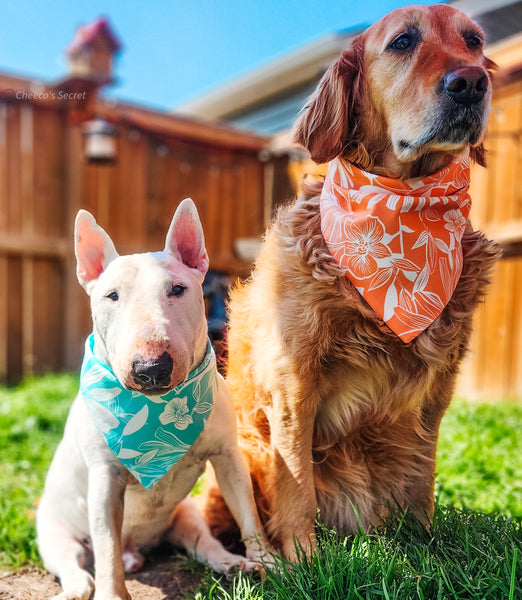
column 148, row 434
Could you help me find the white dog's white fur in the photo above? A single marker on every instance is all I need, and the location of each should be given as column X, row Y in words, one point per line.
column 91, row 504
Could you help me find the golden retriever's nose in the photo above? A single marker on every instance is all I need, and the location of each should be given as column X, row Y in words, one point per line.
column 466, row 85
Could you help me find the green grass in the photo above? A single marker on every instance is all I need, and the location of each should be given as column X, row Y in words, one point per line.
column 474, row 550
column 468, row 555
column 479, row 458
column 31, row 425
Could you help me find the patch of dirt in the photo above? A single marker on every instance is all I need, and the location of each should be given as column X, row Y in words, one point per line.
column 28, row 584
column 162, row 578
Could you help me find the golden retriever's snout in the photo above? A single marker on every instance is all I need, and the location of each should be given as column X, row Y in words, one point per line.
column 464, row 94
column 152, row 376
column 466, row 85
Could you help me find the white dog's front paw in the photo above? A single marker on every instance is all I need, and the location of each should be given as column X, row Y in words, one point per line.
column 124, row 595
column 77, row 586
column 111, row 588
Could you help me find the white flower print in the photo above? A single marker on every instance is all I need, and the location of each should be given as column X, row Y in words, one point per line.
column 455, row 222
column 364, row 246
column 176, row 411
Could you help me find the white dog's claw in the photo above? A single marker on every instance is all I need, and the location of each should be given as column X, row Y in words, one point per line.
column 71, row 596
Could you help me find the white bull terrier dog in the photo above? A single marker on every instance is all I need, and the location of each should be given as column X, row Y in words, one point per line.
column 151, row 410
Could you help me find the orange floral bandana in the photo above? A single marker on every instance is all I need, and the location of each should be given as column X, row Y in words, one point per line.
column 398, row 241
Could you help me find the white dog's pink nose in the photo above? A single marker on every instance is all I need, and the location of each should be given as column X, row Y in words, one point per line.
column 153, row 374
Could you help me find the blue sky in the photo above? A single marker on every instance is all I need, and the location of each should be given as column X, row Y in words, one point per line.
column 174, row 50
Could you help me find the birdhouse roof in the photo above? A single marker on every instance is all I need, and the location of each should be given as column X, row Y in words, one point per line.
column 86, row 34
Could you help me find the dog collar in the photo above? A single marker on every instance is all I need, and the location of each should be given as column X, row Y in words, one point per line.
column 148, row 434
column 399, row 242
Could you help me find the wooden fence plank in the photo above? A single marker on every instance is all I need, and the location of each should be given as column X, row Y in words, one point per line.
column 75, row 300
column 156, row 186
column 4, row 318
column 4, row 290
column 28, row 227
column 211, row 218
column 48, row 315
column 515, row 381
column 14, row 193
column 49, row 173
column 14, row 319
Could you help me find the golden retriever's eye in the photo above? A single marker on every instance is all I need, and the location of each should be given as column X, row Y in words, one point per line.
column 114, row 296
column 176, row 291
column 472, row 40
column 406, row 41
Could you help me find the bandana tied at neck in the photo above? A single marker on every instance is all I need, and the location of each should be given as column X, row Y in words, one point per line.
column 148, row 434
column 398, row 242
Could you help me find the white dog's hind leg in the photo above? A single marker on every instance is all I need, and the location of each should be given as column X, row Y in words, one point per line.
column 190, row 531
column 64, row 557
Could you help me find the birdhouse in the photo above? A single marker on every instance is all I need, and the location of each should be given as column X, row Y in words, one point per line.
column 92, row 51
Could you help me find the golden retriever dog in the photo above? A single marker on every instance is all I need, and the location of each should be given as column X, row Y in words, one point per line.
column 338, row 414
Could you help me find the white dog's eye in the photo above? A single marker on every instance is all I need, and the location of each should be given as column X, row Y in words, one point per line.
column 113, row 296
column 176, row 291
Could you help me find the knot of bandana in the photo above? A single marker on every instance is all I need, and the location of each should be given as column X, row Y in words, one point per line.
column 148, row 434
column 399, row 242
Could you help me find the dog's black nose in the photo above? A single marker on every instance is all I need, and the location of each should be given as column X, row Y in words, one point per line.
column 152, row 374
column 466, row 85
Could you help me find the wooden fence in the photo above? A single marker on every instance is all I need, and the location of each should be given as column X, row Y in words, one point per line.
column 44, row 180
column 494, row 366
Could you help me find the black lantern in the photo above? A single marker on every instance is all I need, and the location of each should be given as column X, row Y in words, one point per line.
column 100, row 142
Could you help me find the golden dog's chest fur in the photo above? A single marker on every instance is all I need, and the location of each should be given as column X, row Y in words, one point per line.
column 375, row 402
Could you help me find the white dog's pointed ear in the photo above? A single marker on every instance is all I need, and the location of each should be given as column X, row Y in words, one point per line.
column 93, row 248
column 185, row 238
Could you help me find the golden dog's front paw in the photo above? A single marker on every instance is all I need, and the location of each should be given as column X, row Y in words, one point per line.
column 259, row 551
column 295, row 546
column 228, row 563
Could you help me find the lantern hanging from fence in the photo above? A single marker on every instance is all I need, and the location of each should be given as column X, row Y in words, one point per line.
column 100, row 142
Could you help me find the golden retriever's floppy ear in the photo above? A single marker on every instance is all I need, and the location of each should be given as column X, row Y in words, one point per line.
column 326, row 124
